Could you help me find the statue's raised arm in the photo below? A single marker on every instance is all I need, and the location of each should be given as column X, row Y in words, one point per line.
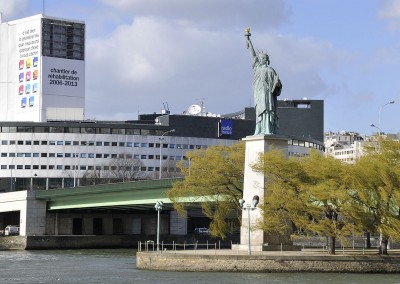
column 266, row 88
column 249, row 43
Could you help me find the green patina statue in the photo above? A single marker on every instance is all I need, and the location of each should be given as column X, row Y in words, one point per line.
column 266, row 88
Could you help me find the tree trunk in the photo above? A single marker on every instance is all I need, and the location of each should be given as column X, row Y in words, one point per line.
column 383, row 246
column 331, row 244
column 368, row 240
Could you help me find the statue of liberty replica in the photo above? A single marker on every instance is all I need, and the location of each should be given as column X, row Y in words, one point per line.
column 266, row 88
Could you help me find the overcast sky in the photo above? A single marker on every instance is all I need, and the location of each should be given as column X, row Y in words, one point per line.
column 143, row 53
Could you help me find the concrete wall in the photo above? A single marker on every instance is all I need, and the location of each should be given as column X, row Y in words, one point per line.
column 32, row 212
column 241, row 263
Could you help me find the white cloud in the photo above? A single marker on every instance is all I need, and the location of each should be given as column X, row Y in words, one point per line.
column 389, row 10
column 10, row 9
column 214, row 14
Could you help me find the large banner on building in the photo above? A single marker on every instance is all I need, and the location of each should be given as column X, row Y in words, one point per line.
column 28, row 36
column 63, row 77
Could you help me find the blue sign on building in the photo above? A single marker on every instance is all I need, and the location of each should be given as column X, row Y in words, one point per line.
column 225, row 127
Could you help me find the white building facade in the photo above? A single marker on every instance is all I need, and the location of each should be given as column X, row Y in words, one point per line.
column 42, row 69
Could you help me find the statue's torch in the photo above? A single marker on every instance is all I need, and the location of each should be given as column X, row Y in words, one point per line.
column 247, row 34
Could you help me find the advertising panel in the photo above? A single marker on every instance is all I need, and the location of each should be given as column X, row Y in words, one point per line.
column 28, row 37
column 225, row 127
column 63, row 77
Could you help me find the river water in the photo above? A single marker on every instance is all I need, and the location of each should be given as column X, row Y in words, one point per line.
column 119, row 266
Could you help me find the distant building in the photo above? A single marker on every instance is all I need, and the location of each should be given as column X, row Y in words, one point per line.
column 347, row 146
column 42, row 69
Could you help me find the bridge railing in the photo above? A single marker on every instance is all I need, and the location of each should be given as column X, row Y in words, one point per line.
column 152, row 246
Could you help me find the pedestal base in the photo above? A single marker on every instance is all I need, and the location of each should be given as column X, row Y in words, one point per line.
column 254, row 184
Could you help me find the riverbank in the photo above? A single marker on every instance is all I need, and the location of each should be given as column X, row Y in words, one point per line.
column 352, row 261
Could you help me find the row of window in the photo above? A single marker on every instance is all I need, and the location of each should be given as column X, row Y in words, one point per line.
column 106, row 144
column 306, row 144
column 85, row 130
column 346, row 152
column 89, row 168
column 90, row 155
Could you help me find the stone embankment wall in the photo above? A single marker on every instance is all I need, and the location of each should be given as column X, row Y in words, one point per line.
column 244, row 263
column 12, row 242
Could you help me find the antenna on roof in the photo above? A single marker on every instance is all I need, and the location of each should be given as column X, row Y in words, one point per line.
column 166, row 108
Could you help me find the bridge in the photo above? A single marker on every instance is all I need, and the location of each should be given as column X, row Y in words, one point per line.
column 136, row 195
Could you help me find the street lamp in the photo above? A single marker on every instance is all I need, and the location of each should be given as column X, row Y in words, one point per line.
column 158, row 207
column 249, row 207
column 373, row 125
column 162, row 138
column 12, row 166
column 379, row 116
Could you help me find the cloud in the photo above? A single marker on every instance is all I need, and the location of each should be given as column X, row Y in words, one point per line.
column 11, row 9
column 389, row 11
column 215, row 14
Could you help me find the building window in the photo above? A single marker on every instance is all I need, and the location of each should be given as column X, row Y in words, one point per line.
column 83, row 155
column 3, row 155
column 114, row 144
column 91, row 155
column 43, row 155
column 121, row 144
column 99, row 143
column 35, row 155
column 52, row 155
column 106, row 143
column 36, row 142
column 60, row 142
column 98, row 155
column 52, row 142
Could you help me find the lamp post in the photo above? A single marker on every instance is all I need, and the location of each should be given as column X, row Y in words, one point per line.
column 11, row 173
column 158, row 206
column 373, row 125
column 249, row 207
column 379, row 116
column 162, row 138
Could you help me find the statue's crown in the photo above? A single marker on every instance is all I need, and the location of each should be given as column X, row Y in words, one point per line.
column 262, row 54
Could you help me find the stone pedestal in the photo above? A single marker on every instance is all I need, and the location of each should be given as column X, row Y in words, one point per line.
column 254, row 184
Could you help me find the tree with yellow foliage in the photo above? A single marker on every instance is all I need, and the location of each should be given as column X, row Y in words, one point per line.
column 214, row 180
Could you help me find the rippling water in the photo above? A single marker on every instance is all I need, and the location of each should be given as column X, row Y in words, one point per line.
column 119, row 266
